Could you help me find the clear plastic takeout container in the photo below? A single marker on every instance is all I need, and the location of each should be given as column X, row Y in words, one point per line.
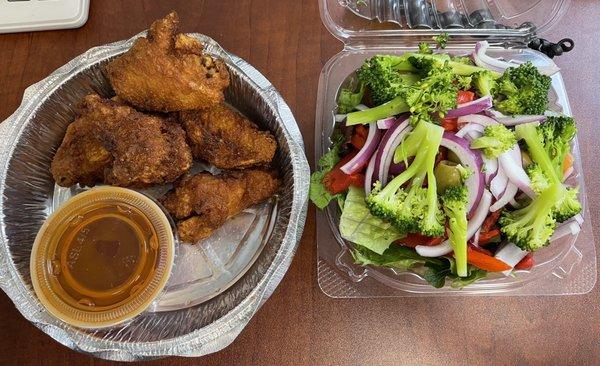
column 371, row 27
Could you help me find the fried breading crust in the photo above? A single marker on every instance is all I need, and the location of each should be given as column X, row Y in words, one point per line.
column 167, row 72
column 226, row 139
column 203, row 202
column 113, row 143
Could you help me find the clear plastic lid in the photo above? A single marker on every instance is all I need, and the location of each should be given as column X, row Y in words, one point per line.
column 506, row 19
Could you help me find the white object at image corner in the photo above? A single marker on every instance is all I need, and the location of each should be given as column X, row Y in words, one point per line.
column 37, row 15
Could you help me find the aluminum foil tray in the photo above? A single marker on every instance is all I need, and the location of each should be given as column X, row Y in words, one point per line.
column 217, row 285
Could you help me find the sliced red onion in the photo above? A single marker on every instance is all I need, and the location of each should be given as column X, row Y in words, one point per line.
column 511, row 255
column 479, row 119
column 514, row 120
column 369, row 174
column 483, row 208
column 474, row 224
column 514, row 204
column 396, row 169
column 361, row 107
column 476, row 238
column 472, row 135
column 472, row 107
column 340, row 118
column 435, row 250
column 481, row 59
column 386, row 123
column 469, row 128
column 499, row 183
column 512, row 164
column 385, row 154
column 509, row 194
column 568, row 228
column 361, row 159
column 491, row 168
column 470, row 159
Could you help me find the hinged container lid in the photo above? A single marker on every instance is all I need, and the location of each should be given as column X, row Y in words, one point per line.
column 360, row 20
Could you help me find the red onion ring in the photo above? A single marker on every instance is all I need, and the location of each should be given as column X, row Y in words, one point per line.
column 479, row 119
column 514, row 120
column 472, row 107
column 385, row 153
column 369, row 174
column 512, row 164
column 361, row 159
column 470, row 159
column 469, row 128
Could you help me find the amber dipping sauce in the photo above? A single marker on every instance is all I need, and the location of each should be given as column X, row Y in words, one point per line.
column 102, row 257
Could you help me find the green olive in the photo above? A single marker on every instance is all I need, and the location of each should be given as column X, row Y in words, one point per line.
column 446, row 175
column 453, row 157
column 526, row 159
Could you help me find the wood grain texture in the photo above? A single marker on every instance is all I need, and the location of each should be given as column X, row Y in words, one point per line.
column 287, row 42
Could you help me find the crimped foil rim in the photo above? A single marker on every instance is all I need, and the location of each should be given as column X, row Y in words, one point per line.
column 224, row 330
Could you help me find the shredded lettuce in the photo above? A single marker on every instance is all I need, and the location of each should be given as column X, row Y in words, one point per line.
column 360, row 227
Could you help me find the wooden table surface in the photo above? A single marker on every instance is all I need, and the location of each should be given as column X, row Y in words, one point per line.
column 287, row 42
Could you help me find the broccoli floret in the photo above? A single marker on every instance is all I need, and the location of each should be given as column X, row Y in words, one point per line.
column 568, row 206
column 462, row 60
column 442, row 39
column 424, row 48
column 496, row 139
column 522, row 90
column 423, row 63
column 423, row 84
column 483, row 82
column 435, row 94
column 557, row 133
column 547, row 146
column 454, row 201
column 386, row 76
column 349, row 99
column 539, row 181
column 415, row 208
column 531, row 227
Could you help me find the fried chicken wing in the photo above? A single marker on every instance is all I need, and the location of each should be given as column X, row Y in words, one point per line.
column 112, row 143
column 203, row 202
column 168, row 71
column 226, row 139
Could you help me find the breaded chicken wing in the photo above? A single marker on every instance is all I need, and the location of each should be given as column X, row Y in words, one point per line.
column 203, row 202
column 112, row 143
column 226, row 139
column 167, row 71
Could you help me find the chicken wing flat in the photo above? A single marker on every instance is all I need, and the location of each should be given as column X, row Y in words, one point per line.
column 112, row 143
column 203, row 202
column 168, row 71
column 226, row 139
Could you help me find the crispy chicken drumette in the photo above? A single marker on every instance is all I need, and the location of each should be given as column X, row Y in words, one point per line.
column 112, row 143
column 167, row 71
column 203, row 202
column 226, row 139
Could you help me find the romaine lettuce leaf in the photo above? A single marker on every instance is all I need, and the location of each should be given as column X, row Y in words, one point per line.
column 395, row 256
column 360, row 227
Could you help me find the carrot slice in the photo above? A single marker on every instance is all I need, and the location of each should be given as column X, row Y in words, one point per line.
column 567, row 163
column 485, row 262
